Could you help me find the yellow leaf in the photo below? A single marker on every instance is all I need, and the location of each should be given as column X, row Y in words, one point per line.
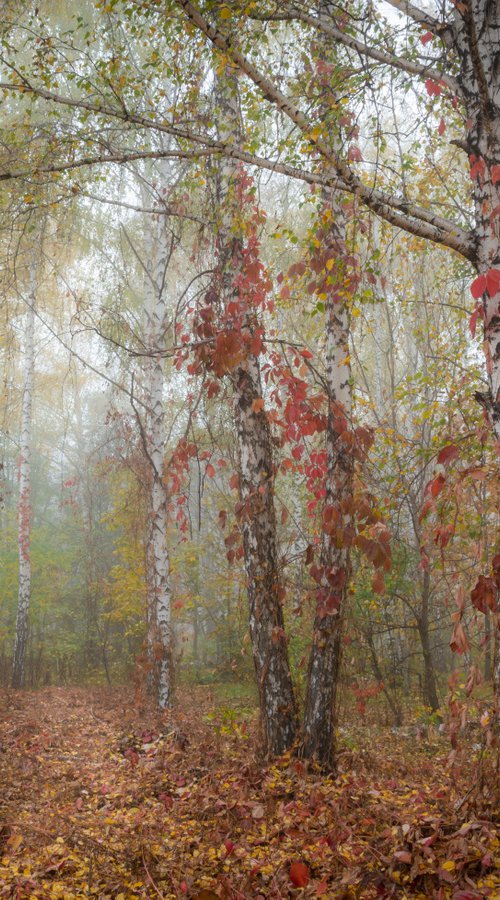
column 448, row 865
column 225, row 13
column 330, row 263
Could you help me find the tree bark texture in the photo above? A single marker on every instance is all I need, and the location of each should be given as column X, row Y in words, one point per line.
column 157, row 556
column 476, row 41
column 429, row 693
column 334, row 564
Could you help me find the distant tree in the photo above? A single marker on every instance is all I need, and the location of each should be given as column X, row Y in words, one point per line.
column 24, row 501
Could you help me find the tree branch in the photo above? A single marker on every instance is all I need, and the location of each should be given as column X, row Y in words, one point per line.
column 381, row 56
column 443, row 30
column 398, row 211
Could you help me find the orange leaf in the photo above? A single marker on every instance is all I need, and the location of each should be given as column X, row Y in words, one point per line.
column 14, row 842
column 258, row 404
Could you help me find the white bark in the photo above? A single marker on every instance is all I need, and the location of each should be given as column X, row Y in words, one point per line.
column 477, row 44
column 24, row 503
column 157, row 555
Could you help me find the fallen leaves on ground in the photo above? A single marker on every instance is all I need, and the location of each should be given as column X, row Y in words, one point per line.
column 106, row 799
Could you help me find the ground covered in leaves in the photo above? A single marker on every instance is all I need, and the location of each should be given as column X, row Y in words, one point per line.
column 100, row 797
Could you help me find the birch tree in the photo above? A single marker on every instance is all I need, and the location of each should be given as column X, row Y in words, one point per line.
column 153, row 435
column 324, row 663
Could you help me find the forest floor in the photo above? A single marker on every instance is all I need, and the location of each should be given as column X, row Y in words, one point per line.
column 101, row 797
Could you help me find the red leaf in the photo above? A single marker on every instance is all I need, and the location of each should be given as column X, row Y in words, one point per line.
column 448, row 454
column 378, row 583
column 132, row 756
column 493, row 281
column 427, row 506
column 354, row 153
column 425, row 38
column 210, row 471
column 484, row 595
column 459, row 642
column 403, row 856
column 478, row 287
column 234, row 482
column 495, row 174
column 496, row 569
column 435, row 486
column 477, row 168
column 299, row 874
column 441, row 127
column 473, row 321
column 432, row 87
column 442, row 535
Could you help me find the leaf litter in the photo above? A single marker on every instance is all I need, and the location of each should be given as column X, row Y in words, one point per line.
column 107, row 799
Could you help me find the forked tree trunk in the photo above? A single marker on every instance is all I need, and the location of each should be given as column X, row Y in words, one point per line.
column 256, row 467
column 24, row 503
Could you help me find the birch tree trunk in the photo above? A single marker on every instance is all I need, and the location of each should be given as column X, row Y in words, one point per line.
column 159, row 636
column 24, row 503
column 320, row 719
column 475, row 37
column 478, row 45
column 334, row 564
column 256, row 467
